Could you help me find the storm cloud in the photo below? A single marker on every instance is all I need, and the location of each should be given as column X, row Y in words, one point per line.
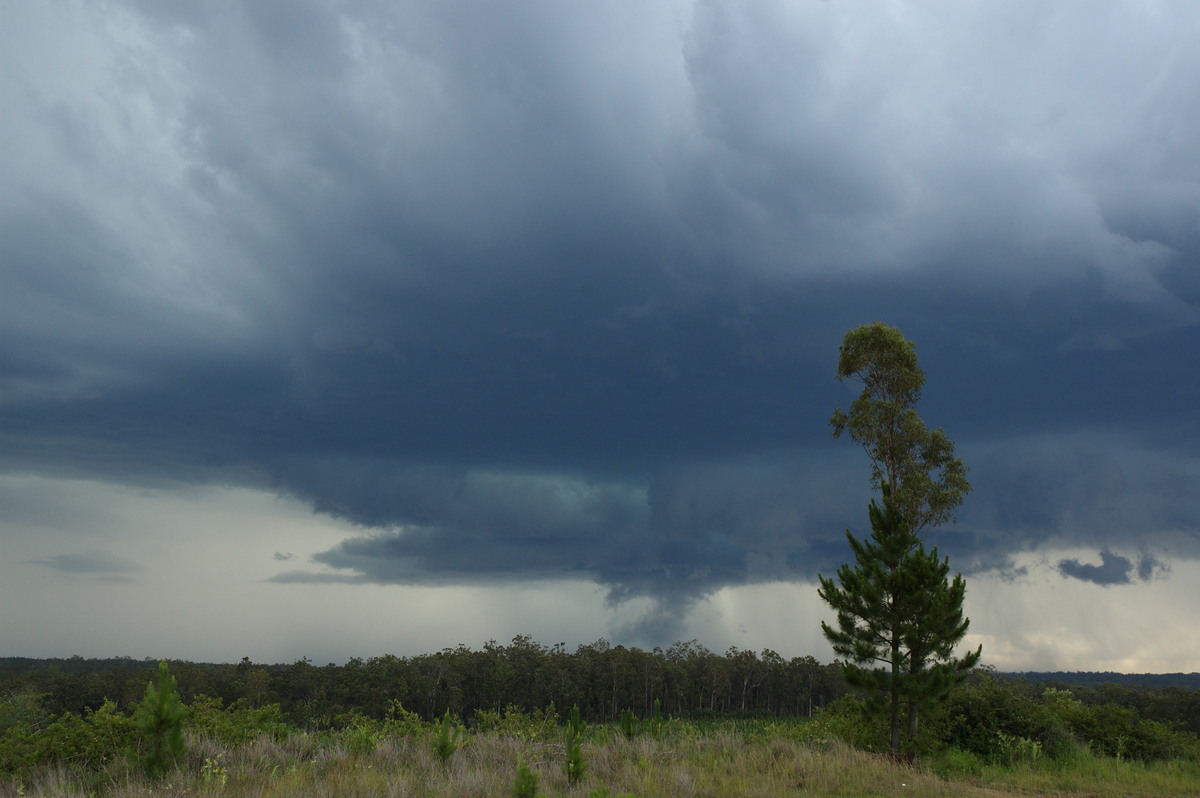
column 531, row 291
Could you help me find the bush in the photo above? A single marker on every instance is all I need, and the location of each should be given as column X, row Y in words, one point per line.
column 237, row 725
column 999, row 721
column 81, row 743
column 538, row 726
column 402, row 723
column 954, row 763
column 27, row 709
column 987, row 717
column 850, row 720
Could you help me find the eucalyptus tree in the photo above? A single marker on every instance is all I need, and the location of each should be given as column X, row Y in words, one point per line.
column 927, row 481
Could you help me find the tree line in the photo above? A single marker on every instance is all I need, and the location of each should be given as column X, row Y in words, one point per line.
column 685, row 680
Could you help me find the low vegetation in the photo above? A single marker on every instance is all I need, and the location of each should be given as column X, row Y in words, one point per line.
column 994, row 736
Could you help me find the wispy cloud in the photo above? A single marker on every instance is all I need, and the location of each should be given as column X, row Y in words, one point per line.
column 96, row 563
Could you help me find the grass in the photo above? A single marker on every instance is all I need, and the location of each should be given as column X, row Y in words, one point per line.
column 734, row 760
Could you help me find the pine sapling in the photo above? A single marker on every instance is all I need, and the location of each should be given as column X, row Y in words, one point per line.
column 573, row 741
column 526, row 784
column 447, row 738
column 160, row 719
column 628, row 722
column 656, row 722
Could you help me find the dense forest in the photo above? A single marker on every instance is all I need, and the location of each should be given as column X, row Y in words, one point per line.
column 1186, row 681
column 686, row 679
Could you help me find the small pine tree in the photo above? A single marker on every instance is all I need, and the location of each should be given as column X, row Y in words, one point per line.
column 629, row 723
column 526, row 784
column 575, row 765
column 897, row 607
column 160, row 719
column 447, row 738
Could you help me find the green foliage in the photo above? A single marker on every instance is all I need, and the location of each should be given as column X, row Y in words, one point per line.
column 656, row 724
column 360, row 736
column 573, row 740
column 1010, row 750
column 1002, row 722
column 214, row 773
column 448, row 737
column 87, row 742
column 526, row 783
column 927, row 480
column 759, row 756
column 899, row 618
column 628, row 722
column 399, row 722
column 686, row 678
column 22, row 709
column 160, row 719
column 236, row 725
column 851, row 720
column 538, row 726
column 954, row 763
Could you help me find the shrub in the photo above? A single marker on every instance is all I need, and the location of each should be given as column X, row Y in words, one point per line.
column 236, row 725
column 978, row 716
column 1010, row 750
column 27, row 709
column 541, row 725
column 399, row 722
column 954, row 763
column 84, row 743
column 850, row 720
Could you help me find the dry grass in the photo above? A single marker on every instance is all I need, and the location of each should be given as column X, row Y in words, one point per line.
column 718, row 764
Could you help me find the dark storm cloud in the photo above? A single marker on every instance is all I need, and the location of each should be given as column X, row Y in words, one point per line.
column 1114, row 569
column 535, row 291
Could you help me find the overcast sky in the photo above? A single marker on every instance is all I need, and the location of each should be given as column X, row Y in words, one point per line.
column 334, row 329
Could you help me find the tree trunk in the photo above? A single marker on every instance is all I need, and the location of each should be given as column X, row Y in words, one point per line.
column 895, row 690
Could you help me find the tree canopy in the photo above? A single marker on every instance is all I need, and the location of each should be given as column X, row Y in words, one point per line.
column 927, row 480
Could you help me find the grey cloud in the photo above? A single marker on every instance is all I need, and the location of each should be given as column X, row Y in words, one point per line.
column 1113, row 569
column 1149, row 567
column 98, row 563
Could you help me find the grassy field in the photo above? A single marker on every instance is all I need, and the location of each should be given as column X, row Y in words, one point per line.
column 686, row 761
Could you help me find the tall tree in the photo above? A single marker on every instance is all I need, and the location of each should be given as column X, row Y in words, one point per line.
column 899, row 619
column 927, row 481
